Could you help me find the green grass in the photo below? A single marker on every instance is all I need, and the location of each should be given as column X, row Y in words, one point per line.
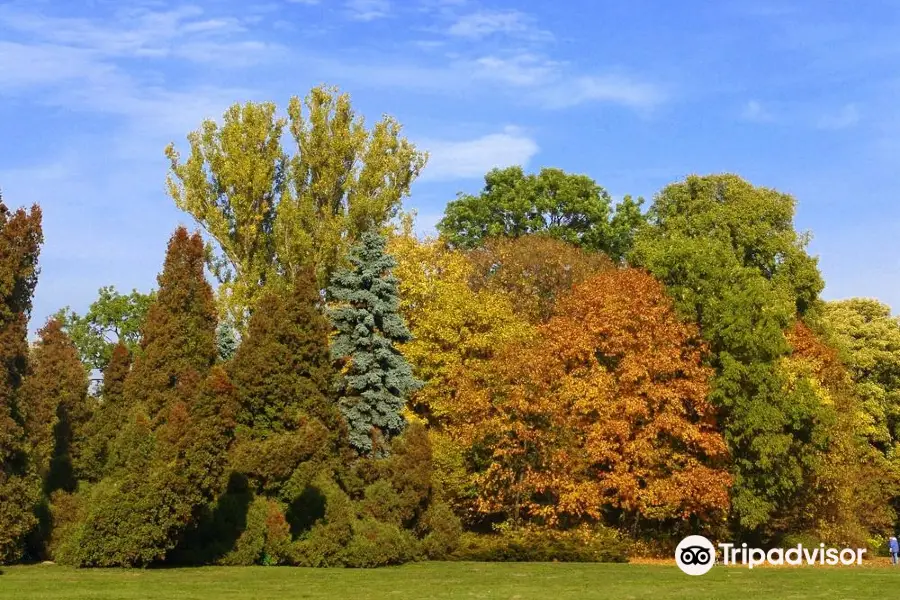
column 558, row 581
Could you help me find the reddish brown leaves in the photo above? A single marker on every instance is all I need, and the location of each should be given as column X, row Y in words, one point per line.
column 608, row 406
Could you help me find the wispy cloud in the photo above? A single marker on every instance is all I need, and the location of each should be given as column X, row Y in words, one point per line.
column 847, row 116
column 470, row 159
column 367, row 10
column 518, row 70
column 618, row 89
column 484, row 23
column 84, row 64
column 184, row 33
column 755, row 112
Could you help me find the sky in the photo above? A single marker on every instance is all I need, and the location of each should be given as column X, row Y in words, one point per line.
column 801, row 96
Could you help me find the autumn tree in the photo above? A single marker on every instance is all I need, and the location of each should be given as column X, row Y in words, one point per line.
column 273, row 214
column 178, row 345
column 454, row 327
column 375, row 378
column 734, row 265
column 605, row 410
column 533, row 270
column 20, row 240
column 869, row 337
column 569, row 207
column 57, row 410
column 139, row 514
column 846, row 497
column 111, row 319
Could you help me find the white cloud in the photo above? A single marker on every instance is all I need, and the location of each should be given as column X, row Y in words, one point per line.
column 368, row 10
column 613, row 89
column 754, row 111
column 184, row 33
column 473, row 158
column 848, row 116
column 520, row 70
column 490, row 22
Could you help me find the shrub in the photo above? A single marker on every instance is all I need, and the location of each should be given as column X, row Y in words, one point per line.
column 266, row 539
column 377, row 544
column 66, row 512
column 585, row 544
column 326, row 542
column 442, row 531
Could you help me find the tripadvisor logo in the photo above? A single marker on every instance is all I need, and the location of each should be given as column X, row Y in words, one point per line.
column 696, row 555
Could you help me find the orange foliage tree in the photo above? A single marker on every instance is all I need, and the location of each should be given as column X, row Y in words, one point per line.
column 606, row 409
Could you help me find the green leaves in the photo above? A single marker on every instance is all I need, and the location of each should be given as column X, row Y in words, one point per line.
column 734, row 264
column 569, row 207
column 272, row 214
column 111, row 318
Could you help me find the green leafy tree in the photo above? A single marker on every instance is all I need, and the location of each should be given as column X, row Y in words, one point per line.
column 272, row 215
column 375, row 377
column 734, row 264
column 56, row 408
column 869, row 336
column 178, row 345
column 112, row 318
column 570, row 207
column 20, row 241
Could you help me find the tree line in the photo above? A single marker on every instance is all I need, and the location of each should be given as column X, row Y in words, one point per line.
column 553, row 376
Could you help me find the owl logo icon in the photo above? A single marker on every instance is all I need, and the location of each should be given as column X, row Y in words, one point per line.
column 695, row 555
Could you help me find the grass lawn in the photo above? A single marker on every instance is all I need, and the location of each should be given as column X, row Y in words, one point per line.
column 557, row 581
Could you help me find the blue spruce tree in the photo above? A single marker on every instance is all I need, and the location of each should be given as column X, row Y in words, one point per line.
column 375, row 378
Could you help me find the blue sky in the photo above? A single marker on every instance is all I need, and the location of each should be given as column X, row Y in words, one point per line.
column 801, row 96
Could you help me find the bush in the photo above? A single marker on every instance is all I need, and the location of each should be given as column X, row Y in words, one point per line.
column 585, row 544
column 66, row 512
column 266, row 539
column 326, row 542
column 442, row 531
column 377, row 544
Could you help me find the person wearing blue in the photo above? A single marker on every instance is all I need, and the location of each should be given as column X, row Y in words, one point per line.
column 894, row 547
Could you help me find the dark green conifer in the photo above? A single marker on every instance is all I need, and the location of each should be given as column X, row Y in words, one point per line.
column 179, row 335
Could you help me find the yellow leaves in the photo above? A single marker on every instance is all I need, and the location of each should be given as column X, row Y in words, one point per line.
column 273, row 215
column 605, row 406
column 455, row 330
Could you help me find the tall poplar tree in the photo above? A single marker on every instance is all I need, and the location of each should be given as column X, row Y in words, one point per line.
column 273, row 214
column 20, row 240
column 375, row 378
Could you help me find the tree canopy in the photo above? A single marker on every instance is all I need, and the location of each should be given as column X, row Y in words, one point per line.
column 569, row 207
column 272, row 214
column 732, row 261
column 111, row 319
